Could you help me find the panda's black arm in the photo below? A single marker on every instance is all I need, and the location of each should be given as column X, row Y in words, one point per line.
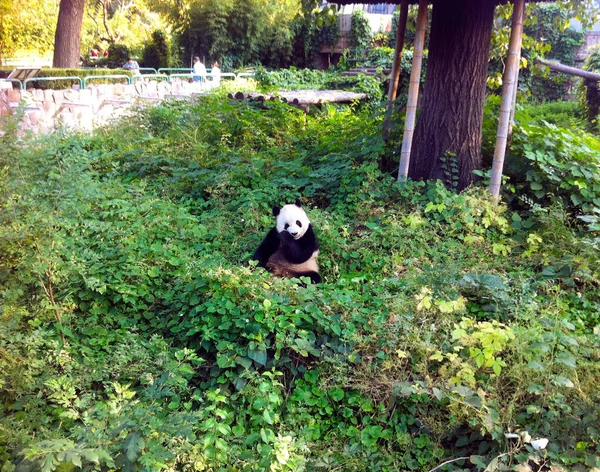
column 266, row 249
column 298, row 251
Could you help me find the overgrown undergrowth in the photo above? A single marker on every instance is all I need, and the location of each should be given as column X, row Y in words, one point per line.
column 136, row 335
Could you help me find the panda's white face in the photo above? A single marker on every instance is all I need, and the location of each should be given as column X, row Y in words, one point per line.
column 293, row 219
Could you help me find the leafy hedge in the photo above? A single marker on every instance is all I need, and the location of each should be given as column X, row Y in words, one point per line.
column 308, row 79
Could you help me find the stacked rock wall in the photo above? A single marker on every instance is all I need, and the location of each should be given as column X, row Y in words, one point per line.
column 42, row 111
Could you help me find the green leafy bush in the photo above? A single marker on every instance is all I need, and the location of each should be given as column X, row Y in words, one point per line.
column 555, row 162
column 548, row 28
column 562, row 114
column 157, row 52
column 380, row 57
column 360, row 30
column 135, row 334
column 308, row 79
column 547, row 162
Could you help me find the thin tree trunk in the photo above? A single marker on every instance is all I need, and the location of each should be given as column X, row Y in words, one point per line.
column 68, row 33
column 395, row 75
column 454, row 94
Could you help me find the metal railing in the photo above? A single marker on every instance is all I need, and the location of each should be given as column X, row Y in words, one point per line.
column 149, row 76
column 83, row 82
column 154, row 71
column 162, row 70
column 114, row 76
column 13, row 80
column 46, row 79
column 188, row 75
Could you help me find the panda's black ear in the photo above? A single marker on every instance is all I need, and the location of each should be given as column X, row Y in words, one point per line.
column 298, row 203
column 276, row 210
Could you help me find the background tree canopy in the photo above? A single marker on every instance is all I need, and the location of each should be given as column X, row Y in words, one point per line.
column 240, row 31
column 27, row 25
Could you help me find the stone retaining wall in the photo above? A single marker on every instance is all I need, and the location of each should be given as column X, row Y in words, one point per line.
column 47, row 110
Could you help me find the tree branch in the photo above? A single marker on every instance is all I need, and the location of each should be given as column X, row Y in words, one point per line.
column 558, row 67
column 105, row 20
column 449, row 462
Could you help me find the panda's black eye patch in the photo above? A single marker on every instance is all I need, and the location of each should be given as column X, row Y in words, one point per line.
column 287, row 225
column 299, row 224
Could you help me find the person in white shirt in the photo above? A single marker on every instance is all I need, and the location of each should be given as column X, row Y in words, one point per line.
column 132, row 65
column 216, row 74
column 199, row 70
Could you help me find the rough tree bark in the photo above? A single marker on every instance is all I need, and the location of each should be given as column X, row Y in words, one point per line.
column 67, row 38
column 451, row 111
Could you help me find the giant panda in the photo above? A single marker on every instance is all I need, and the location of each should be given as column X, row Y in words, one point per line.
column 290, row 248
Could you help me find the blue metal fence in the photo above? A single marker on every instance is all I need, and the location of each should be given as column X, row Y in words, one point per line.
column 47, row 79
column 83, row 82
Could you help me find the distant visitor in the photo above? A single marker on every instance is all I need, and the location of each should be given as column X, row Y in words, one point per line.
column 132, row 66
column 199, row 70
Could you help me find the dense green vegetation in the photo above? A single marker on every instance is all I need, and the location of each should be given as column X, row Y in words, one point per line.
column 136, row 335
column 307, row 79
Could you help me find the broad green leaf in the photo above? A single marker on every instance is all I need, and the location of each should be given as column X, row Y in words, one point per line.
column 245, row 362
column 336, row 393
column 267, row 417
column 259, row 356
column 566, row 359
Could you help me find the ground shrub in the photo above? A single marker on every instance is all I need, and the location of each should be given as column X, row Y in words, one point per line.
column 557, row 163
column 136, row 334
column 551, row 157
column 562, row 114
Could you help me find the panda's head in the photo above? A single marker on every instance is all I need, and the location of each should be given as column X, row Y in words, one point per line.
column 292, row 218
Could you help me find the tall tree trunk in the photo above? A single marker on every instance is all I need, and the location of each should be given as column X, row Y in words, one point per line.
column 68, row 33
column 451, row 111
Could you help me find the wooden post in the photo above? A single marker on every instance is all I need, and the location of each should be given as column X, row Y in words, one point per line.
column 511, row 75
column 395, row 76
column 413, row 91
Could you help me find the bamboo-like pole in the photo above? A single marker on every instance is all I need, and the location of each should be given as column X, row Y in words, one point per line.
column 413, row 91
column 510, row 82
column 513, row 102
column 395, row 76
